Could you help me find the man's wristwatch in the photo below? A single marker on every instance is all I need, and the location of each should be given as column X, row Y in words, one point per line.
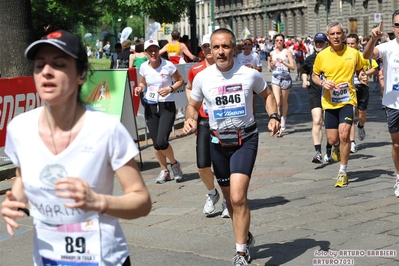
column 275, row 116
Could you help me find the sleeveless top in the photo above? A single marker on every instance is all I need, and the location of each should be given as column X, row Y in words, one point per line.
column 280, row 67
column 138, row 61
column 123, row 58
column 174, row 53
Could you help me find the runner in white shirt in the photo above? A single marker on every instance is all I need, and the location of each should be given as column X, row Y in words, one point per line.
column 66, row 157
column 250, row 59
column 227, row 87
column 389, row 53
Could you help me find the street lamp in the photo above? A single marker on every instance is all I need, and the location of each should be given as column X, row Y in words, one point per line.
column 232, row 16
column 265, row 18
column 327, row 9
column 213, row 15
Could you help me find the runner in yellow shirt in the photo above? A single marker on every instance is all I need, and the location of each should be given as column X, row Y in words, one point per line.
column 333, row 70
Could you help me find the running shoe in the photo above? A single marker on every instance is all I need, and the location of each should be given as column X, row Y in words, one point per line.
column 177, row 172
column 335, row 154
column 317, row 158
column 241, row 258
column 225, row 211
column 250, row 240
column 210, row 203
column 282, row 123
column 342, row 179
column 396, row 187
column 353, row 147
column 180, row 115
column 163, row 177
column 361, row 132
column 328, row 159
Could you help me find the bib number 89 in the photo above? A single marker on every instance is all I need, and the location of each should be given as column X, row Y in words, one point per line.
column 77, row 245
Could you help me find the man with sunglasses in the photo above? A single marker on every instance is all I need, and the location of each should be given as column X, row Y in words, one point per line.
column 314, row 99
column 248, row 57
column 389, row 53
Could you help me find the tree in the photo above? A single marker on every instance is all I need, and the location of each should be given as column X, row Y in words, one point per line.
column 167, row 11
column 16, row 34
column 18, row 29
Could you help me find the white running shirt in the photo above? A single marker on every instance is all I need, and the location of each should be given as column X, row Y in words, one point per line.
column 102, row 146
column 228, row 95
column 389, row 52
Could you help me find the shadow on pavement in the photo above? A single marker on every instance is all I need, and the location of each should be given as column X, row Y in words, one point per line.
column 283, row 253
column 256, row 204
column 189, row 177
column 358, row 176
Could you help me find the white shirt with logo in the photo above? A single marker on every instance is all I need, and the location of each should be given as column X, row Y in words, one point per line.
column 156, row 79
column 65, row 236
column 389, row 52
column 228, row 95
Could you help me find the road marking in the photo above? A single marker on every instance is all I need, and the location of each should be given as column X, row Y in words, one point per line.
column 19, row 231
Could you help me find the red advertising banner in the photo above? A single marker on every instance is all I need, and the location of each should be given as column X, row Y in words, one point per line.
column 17, row 95
column 134, row 82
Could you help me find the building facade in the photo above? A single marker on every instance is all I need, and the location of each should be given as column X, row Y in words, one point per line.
column 291, row 17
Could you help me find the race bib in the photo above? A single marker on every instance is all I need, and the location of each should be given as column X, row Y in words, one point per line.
column 341, row 93
column 69, row 244
column 151, row 95
column 395, row 79
column 280, row 67
column 228, row 101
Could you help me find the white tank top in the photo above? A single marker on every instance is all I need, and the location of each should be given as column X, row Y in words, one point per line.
column 280, row 67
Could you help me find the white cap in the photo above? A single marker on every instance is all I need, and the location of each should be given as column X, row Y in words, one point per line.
column 150, row 43
column 206, row 39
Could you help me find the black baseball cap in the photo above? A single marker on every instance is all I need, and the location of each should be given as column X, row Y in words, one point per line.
column 63, row 40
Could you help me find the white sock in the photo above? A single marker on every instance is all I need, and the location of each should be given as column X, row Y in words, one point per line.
column 241, row 247
column 342, row 167
column 212, row 191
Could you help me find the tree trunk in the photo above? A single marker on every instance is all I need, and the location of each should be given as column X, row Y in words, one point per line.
column 16, row 35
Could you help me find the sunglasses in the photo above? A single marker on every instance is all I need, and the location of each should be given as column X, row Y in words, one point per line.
column 395, row 25
column 248, row 44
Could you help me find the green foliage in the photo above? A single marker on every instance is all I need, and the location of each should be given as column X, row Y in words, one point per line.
column 50, row 15
column 96, row 16
column 167, row 11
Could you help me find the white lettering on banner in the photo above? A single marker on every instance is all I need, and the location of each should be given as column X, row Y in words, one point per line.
column 13, row 107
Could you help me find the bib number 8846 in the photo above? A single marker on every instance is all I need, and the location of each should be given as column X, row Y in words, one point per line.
column 224, row 100
column 77, row 245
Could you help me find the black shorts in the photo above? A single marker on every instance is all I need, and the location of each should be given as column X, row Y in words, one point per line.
column 314, row 102
column 234, row 160
column 203, row 143
column 334, row 117
column 362, row 94
column 300, row 61
column 392, row 120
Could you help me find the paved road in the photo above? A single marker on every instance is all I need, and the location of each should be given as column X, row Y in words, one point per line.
column 298, row 216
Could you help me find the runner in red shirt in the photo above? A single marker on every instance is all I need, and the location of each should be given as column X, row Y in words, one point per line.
column 203, row 136
column 300, row 51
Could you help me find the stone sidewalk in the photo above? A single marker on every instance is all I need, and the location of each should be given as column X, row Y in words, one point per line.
column 298, row 217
